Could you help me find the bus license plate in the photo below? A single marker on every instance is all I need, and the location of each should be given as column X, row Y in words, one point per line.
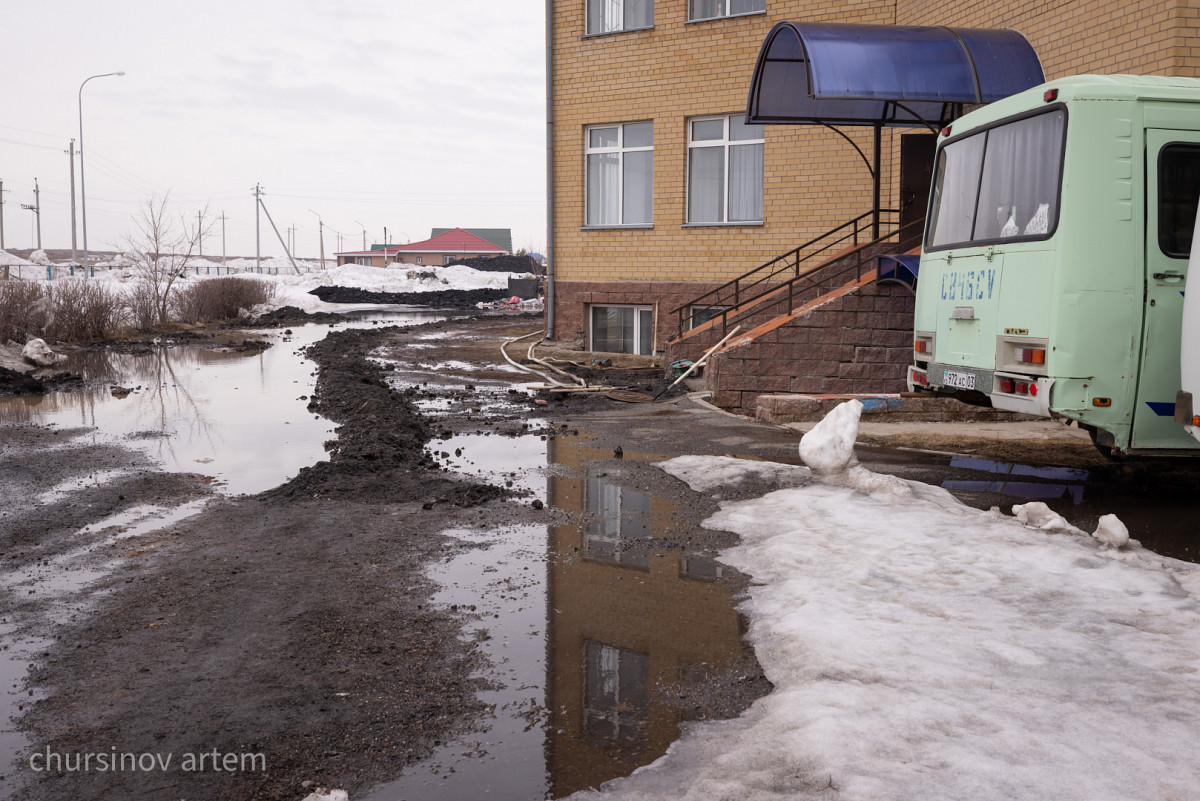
column 958, row 380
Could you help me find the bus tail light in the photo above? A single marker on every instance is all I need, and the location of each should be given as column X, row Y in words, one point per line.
column 923, row 346
column 1031, row 355
column 1006, row 385
column 1102, row 402
column 920, row 378
column 1049, row 96
column 1033, row 388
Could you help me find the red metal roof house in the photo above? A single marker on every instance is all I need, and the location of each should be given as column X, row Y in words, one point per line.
column 447, row 248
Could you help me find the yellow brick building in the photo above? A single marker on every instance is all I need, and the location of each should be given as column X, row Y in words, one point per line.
column 630, row 79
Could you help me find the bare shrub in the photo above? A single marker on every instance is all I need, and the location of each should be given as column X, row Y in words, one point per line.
column 24, row 310
column 220, row 298
column 141, row 305
column 160, row 252
column 84, row 309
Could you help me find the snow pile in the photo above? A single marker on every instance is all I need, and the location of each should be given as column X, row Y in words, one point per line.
column 923, row 649
column 38, row 353
column 9, row 260
column 292, row 289
column 829, row 446
column 39, row 258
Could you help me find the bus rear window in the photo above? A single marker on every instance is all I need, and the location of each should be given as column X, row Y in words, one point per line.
column 999, row 184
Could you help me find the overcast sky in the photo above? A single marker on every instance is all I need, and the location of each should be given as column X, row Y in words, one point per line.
column 408, row 114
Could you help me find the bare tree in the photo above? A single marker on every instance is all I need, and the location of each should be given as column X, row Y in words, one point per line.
column 161, row 249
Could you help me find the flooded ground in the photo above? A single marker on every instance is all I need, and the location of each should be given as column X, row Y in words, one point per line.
column 237, row 415
column 591, row 615
column 603, row 634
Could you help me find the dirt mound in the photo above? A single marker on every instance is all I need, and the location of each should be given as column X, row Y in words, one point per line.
column 379, row 454
column 441, row 299
column 289, row 315
column 503, row 264
column 14, row 383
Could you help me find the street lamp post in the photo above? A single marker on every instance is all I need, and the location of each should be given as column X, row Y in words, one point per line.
column 364, row 229
column 82, row 186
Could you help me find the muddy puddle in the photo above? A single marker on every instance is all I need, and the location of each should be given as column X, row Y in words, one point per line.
column 238, row 416
column 1157, row 500
column 599, row 638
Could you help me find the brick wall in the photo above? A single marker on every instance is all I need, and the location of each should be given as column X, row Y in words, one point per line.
column 813, row 180
column 860, row 343
column 574, row 297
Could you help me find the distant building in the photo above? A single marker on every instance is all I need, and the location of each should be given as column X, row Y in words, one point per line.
column 449, row 247
column 500, row 237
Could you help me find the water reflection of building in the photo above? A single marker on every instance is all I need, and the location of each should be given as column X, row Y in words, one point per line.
column 629, row 624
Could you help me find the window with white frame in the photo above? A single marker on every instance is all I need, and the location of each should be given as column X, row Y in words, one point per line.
column 447, row 260
column 365, row 261
column 611, row 16
column 710, row 9
column 622, row 329
column 420, row 259
column 725, row 170
column 620, row 174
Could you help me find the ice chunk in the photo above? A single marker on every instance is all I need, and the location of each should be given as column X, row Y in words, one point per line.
column 37, row 352
column 1111, row 531
column 1036, row 514
column 829, row 446
column 322, row 794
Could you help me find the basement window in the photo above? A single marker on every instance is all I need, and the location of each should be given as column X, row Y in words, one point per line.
column 622, row 329
column 702, row 314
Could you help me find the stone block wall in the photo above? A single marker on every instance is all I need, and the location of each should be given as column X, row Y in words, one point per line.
column 858, row 344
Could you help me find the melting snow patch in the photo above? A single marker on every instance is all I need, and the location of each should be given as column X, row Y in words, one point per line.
column 923, row 649
column 705, row 473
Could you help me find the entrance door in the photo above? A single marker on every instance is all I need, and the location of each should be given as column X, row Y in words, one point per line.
column 916, row 175
column 1172, row 188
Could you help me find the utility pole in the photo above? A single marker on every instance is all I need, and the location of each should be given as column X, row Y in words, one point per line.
column 200, row 231
column 36, row 208
column 72, row 152
column 2, row 225
column 222, row 237
column 257, row 237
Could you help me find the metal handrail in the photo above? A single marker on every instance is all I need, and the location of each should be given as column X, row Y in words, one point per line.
column 790, row 261
column 823, row 277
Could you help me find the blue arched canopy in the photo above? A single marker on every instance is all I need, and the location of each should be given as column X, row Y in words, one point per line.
column 838, row 74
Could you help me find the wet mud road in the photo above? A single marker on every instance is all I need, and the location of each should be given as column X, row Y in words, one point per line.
column 461, row 591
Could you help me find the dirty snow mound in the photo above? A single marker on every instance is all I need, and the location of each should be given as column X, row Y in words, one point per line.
column 829, row 446
column 706, row 473
column 36, row 351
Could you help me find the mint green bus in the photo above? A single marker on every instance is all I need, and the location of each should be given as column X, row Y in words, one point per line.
column 1055, row 257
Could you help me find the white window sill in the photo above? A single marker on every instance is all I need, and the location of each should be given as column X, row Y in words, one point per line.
column 616, row 33
column 727, row 16
column 752, row 224
column 637, row 227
